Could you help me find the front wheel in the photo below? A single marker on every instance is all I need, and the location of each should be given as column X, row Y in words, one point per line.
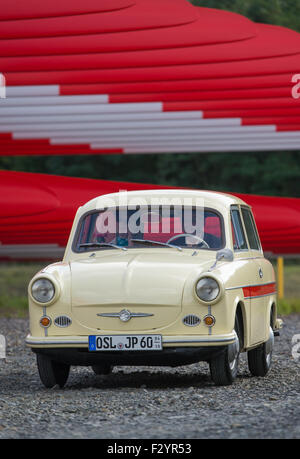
column 260, row 358
column 224, row 367
column 52, row 373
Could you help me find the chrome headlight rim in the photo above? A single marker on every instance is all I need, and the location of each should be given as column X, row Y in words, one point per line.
column 219, row 295
column 56, row 288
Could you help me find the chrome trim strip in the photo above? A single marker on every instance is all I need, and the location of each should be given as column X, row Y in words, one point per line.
column 165, row 341
column 49, row 342
column 248, row 286
column 45, row 315
column 201, row 340
column 117, row 314
column 209, row 314
column 260, row 296
column 247, row 258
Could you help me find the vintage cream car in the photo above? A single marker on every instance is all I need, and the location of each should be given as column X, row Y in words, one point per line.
column 156, row 278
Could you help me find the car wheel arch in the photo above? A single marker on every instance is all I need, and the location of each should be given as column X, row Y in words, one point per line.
column 273, row 314
column 240, row 313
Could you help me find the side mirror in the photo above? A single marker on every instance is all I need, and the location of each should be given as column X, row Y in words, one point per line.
column 224, row 254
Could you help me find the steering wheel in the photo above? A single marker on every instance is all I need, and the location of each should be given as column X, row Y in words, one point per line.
column 199, row 239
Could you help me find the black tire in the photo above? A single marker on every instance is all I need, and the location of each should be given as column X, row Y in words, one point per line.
column 103, row 369
column 260, row 358
column 52, row 373
column 223, row 369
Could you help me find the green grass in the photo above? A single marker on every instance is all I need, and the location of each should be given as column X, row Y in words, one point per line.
column 291, row 302
column 14, row 279
column 288, row 306
column 291, row 279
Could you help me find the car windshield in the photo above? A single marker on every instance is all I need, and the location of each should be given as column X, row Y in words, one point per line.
column 164, row 227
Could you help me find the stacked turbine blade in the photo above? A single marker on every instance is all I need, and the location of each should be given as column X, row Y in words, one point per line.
column 140, row 76
column 37, row 212
column 137, row 77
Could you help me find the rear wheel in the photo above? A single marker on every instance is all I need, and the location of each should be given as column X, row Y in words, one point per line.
column 260, row 358
column 224, row 367
column 103, row 369
column 52, row 373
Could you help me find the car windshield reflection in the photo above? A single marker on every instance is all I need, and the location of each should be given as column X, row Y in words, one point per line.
column 172, row 227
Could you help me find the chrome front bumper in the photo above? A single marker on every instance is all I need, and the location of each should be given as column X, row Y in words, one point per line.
column 168, row 341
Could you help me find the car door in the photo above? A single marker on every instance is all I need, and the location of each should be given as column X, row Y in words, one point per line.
column 247, row 269
column 262, row 285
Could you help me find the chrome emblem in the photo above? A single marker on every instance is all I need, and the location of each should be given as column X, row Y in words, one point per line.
column 125, row 315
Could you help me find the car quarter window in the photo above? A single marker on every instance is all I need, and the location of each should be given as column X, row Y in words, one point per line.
column 250, row 229
column 239, row 239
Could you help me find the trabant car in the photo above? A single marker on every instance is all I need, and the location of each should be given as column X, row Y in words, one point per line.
column 156, row 278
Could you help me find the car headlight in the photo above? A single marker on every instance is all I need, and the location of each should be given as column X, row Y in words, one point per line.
column 207, row 289
column 43, row 290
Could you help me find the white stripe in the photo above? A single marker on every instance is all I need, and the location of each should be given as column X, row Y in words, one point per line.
column 205, row 142
column 136, row 125
column 115, row 126
column 170, row 144
column 101, row 117
column 29, row 91
column 119, row 125
column 84, row 108
column 182, row 138
column 56, row 100
column 217, row 148
column 107, row 133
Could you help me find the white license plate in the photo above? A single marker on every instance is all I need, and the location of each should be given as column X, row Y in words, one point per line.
column 125, row 343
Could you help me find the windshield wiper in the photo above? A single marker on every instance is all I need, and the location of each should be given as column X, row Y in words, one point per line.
column 146, row 241
column 102, row 244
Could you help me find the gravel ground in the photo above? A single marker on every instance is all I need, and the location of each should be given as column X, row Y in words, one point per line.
column 140, row 402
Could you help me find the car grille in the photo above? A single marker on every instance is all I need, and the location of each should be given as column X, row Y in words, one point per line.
column 62, row 321
column 191, row 320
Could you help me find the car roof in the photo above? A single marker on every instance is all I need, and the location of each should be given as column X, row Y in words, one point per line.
column 211, row 198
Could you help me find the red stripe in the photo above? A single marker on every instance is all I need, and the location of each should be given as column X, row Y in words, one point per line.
column 185, row 96
column 56, row 150
column 287, row 120
column 243, row 104
column 288, row 127
column 5, row 136
column 266, row 81
column 247, row 292
column 252, row 113
column 259, row 290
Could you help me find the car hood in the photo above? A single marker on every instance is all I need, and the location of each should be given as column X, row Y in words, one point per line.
column 151, row 284
column 126, row 277
column 140, row 278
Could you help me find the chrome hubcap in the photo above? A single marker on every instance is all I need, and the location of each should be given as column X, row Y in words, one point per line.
column 269, row 347
column 233, row 353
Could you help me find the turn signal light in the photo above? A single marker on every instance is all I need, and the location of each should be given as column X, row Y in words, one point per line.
column 45, row 322
column 209, row 321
